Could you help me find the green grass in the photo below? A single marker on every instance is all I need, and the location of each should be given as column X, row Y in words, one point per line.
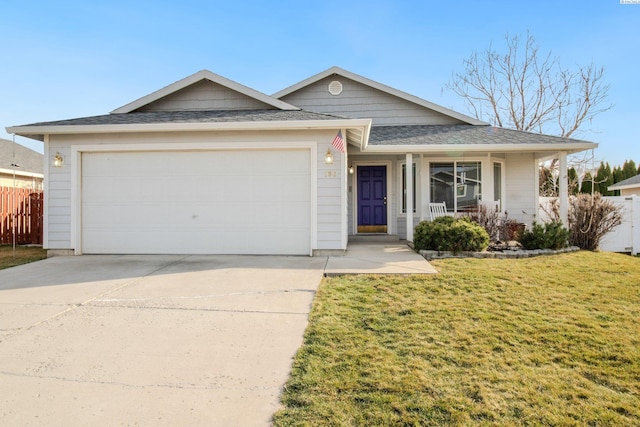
column 541, row 341
column 23, row 255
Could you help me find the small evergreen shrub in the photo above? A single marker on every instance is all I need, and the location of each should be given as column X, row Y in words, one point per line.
column 552, row 235
column 450, row 234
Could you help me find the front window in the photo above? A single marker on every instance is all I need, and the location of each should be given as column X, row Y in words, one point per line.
column 404, row 188
column 497, row 184
column 458, row 184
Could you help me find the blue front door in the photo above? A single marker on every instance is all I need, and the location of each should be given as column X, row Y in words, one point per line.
column 372, row 199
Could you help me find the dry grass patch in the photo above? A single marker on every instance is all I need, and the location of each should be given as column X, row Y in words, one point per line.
column 23, row 255
column 547, row 340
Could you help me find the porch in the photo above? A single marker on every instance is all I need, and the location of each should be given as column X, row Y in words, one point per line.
column 506, row 181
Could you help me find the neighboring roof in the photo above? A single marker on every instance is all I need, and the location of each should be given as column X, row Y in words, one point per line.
column 195, row 78
column 633, row 182
column 467, row 138
column 28, row 161
column 380, row 87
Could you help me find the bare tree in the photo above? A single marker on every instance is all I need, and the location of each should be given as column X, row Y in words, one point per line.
column 527, row 90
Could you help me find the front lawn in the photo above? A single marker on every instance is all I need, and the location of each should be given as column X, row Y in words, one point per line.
column 550, row 340
column 22, row 255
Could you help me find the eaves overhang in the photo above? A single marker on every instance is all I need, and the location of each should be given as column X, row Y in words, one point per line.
column 357, row 129
column 569, row 148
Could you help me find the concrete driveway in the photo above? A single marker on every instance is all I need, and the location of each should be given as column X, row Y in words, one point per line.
column 151, row 340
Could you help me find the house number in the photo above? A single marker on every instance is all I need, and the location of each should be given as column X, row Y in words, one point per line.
column 330, row 174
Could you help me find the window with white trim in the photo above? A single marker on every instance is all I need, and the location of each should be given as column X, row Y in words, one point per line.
column 497, row 184
column 404, row 188
column 458, row 184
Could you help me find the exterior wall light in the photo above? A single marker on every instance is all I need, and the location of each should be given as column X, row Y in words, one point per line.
column 328, row 158
column 58, row 161
column 351, row 170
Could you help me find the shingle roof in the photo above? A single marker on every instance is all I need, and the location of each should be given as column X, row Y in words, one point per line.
column 458, row 134
column 217, row 116
column 634, row 180
column 27, row 159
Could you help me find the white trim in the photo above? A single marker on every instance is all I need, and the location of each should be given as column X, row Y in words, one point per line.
column 354, row 183
column 463, row 149
column 45, row 187
column 408, row 169
column 503, row 182
column 76, row 175
column 458, row 159
column 76, row 199
column 362, row 124
column 563, row 188
column 399, row 165
column 313, row 182
column 381, row 87
column 195, row 78
column 344, row 210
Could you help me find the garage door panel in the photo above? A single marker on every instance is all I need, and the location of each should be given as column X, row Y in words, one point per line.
column 197, row 202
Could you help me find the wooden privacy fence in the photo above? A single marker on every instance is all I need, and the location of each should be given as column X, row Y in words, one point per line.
column 21, row 210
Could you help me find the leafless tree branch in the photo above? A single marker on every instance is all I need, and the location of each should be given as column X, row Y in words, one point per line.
column 529, row 91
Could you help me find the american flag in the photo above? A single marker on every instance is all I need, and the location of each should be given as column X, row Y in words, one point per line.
column 338, row 142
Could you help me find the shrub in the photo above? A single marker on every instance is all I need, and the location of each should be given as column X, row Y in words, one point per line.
column 551, row 235
column 489, row 218
column 450, row 234
column 590, row 218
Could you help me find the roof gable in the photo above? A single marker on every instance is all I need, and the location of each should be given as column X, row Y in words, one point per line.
column 365, row 98
column 204, row 90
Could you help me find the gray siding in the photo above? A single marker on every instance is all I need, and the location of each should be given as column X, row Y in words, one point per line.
column 402, row 226
column 361, row 101
column 206, row 95
column 59, row 198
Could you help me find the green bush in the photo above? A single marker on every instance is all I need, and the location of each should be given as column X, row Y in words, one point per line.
column 450, row 234
column 552, row 235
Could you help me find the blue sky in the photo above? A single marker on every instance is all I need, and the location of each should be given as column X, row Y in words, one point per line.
column 67, row 59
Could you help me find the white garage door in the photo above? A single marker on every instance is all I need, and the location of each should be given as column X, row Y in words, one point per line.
column 199, row 202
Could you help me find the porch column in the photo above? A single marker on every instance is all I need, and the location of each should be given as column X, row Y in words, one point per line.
column 409, row 196
column 563, row 189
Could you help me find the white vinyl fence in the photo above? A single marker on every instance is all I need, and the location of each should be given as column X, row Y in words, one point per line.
column 623, row 238
column 626, row 236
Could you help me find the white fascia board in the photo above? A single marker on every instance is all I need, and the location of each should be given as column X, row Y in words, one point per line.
column 622, row 187
column 194, row 78
column 21, row 173
column 381, row 87
column 178, row 127
column 471, row 148
column 362, row 124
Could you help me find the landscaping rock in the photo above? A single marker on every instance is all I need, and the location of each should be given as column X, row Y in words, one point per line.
column 498, row 250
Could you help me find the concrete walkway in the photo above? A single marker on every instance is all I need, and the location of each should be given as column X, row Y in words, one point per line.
column 151, row 340
column 378, row 258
